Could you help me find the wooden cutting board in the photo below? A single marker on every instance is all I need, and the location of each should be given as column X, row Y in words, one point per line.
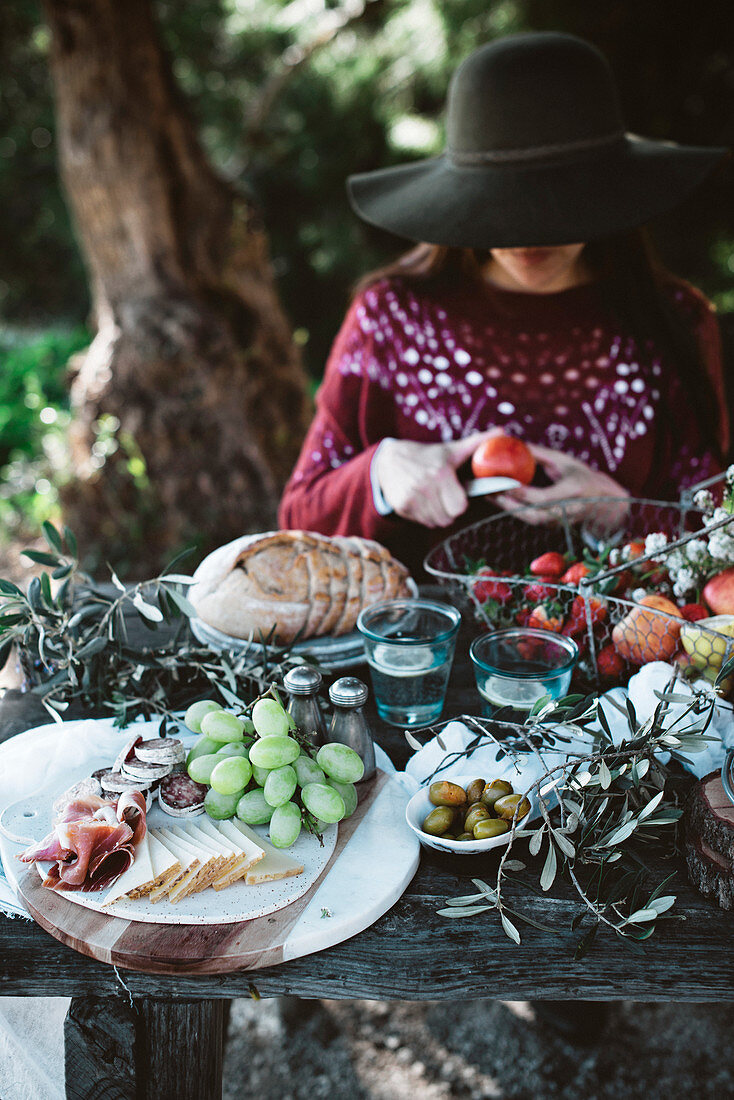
column 374, row 859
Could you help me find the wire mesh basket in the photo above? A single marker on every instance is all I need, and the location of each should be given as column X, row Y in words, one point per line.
column 487, row 568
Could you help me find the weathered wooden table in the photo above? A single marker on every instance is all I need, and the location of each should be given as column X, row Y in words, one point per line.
column 134, row 1035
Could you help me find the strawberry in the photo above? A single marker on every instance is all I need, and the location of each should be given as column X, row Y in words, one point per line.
column 623, row 582
column 609, row 663
column 491, row 589
column 522, row 617
column 529, row 648
column 575, row 572
column 632, row 550
column 538, row 593
column 597, row 609
column 574, row 628
column 548, row 566
column 541, row 620
column 693, row 612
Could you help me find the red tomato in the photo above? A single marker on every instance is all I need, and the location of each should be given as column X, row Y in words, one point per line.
column 504, row 456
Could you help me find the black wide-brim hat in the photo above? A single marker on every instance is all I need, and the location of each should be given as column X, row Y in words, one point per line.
column 536, row 155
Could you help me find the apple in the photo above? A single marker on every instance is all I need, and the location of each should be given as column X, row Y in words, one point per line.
column 504, row 456
column 719, row 593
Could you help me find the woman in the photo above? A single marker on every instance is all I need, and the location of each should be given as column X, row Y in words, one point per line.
column 532, row 306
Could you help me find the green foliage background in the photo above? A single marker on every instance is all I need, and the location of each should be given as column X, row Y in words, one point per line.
column 370, row 95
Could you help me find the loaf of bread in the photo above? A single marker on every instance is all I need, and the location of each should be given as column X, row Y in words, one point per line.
column 297, row 583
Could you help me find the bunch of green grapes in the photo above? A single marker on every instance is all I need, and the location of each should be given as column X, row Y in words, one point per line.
column 256, row 769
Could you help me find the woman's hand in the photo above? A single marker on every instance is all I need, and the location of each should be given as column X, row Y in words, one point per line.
column 572, row 479
column 418, row 480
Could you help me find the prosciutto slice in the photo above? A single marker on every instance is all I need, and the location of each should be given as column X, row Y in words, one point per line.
column 93, row 840
column 131, row 810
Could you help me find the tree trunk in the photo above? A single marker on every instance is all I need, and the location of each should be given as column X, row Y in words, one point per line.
column 190, row 405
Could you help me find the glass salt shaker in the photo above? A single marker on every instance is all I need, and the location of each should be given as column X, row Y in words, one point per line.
column 349, row 724
column 302, row 684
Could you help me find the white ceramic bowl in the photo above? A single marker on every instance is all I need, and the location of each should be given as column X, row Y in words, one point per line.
column 420, row 806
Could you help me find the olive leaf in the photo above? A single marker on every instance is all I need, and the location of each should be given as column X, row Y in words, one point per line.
column 535, row 841
column 510, row 929
column 548, row 874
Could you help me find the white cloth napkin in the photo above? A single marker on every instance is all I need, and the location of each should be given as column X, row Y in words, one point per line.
column 52, row 757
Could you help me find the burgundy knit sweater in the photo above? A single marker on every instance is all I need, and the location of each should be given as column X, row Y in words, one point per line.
column 415, row 362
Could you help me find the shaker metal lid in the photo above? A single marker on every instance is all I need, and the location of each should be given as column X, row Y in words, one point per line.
column 348, row 691
column 302, row 680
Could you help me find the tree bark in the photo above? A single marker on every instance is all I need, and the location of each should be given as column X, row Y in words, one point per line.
column 190, row 404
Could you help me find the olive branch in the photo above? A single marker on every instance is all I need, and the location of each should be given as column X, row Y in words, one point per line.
column 74, row 645
column 600, row 810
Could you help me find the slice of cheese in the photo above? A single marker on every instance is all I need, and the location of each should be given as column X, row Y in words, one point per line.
column 197, row 833
column 138, row 880
column 208, row 867
column 274, row 865
column 249, row 853
column 201, row 842
column 166, row 866
column 237, row 862
column 190, row 866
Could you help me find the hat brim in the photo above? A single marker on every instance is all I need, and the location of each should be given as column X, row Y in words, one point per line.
column 524, row 204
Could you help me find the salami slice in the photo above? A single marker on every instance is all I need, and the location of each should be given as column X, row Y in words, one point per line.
column 161, row 750
column 117, row 783
column 141, row 769
column 181, row 796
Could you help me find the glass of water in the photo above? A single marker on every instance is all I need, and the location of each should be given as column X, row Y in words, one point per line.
column 410, row 647
column 516, row 667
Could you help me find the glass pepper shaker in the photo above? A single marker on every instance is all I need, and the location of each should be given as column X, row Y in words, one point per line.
column 349, row 724
column 302, row 684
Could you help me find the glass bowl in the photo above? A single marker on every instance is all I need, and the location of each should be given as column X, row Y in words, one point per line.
column 516, row 667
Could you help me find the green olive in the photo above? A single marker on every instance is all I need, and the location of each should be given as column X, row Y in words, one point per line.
column 505, row 807
column 494, row 790
column 492, row 826
column 474, row 790
column 446, row 794
column 477, row 813
column 447, row 836
column 465, row 836
column 439, row 821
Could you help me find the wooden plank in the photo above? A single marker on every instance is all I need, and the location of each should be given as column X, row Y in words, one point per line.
column 99, row 1049
column 180, row 1049
column 410, row 954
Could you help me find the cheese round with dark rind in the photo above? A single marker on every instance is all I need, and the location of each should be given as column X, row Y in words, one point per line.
column 181, row 796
